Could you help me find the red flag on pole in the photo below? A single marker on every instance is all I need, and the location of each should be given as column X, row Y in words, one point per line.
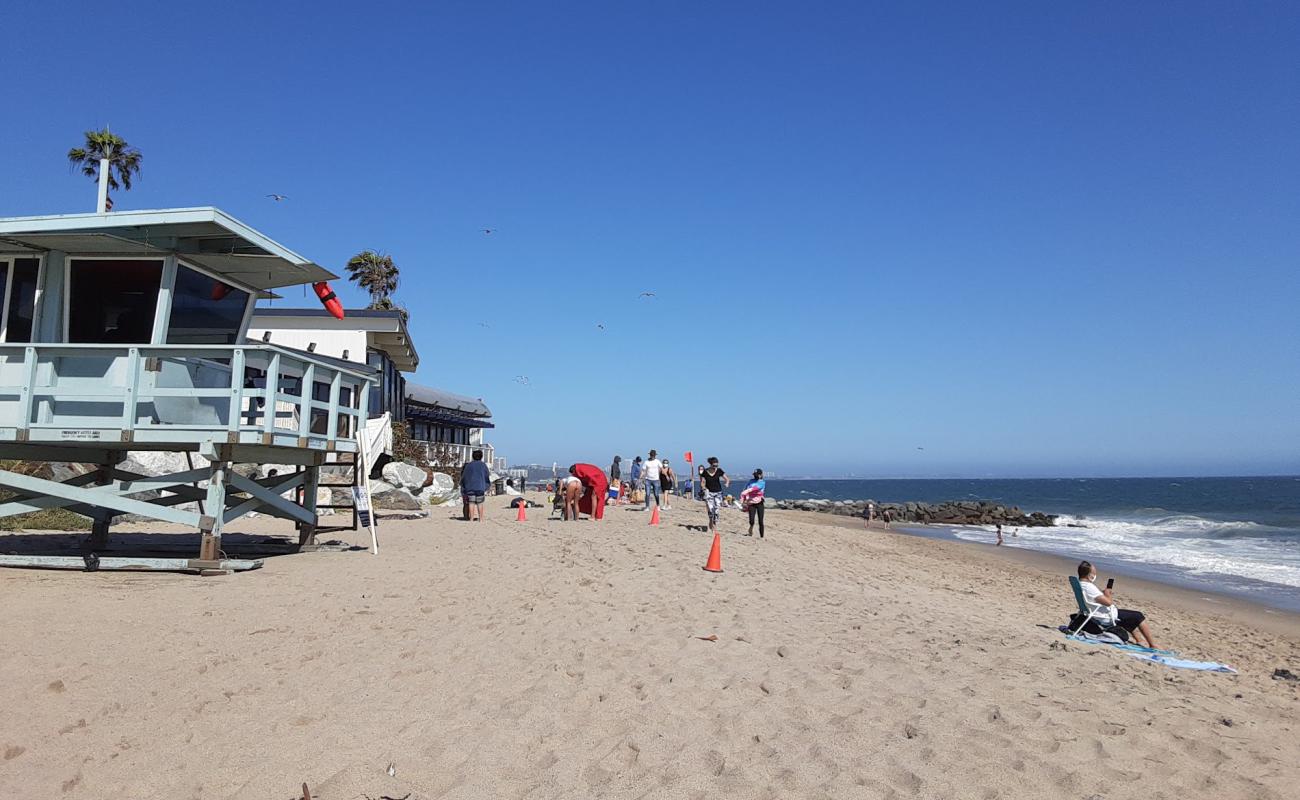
column 689, row 459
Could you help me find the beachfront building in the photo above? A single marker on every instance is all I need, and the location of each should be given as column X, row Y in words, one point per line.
column 447, row 426
column 128, row 331
column 376, row 338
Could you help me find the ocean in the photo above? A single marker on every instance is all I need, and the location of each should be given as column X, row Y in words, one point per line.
column 1237, row 536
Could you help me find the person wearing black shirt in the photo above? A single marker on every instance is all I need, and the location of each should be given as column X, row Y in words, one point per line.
column 714, row 480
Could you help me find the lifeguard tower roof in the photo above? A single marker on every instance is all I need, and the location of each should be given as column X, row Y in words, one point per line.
column 208, row 237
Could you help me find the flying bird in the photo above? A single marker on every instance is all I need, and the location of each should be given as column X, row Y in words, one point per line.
column 484, row 325
column 646, row 294
column 600, row 325
column 522, row 380
column 489, row 231
column 278, row 197
column 920, row 448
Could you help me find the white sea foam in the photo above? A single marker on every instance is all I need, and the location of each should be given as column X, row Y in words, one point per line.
column 1188, row 543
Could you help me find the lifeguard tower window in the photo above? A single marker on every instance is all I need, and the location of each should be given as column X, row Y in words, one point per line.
column 18, row 298
column 112, row 301
column 204, row 310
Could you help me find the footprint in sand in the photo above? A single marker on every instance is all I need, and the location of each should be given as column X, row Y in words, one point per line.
column 13, row 751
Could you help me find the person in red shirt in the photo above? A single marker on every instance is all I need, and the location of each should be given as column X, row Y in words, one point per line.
column 595, row 489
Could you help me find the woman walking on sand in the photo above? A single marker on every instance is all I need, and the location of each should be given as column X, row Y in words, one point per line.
column 667, row 479
column 715, row 481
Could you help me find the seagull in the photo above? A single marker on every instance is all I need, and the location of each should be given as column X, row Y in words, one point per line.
column 646, row 294
column 600, row 325
column 278, row 197
column 920, row 448
column 489, row 231
column 522, row 380
column 484, row 325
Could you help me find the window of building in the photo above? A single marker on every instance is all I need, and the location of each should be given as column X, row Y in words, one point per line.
column 112, row 301
column 18, row 298
column 204, row 310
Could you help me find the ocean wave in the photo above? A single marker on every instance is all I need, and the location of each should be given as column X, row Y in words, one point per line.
column 1178, row 525
column 1192, row 544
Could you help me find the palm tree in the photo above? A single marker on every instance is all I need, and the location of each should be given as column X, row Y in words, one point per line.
column 377, row 274
column 388, row 304
column 123, row 159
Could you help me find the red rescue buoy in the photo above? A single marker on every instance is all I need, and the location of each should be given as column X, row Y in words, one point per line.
column 328, row 298
column 219, row 290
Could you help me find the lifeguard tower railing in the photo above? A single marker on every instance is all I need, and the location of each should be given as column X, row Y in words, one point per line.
column 129, row 397
column 249, row 403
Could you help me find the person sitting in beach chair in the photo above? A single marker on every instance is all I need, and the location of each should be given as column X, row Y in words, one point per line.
column 1098, row 611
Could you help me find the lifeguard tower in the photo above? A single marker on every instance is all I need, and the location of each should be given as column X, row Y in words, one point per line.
column 127, row 331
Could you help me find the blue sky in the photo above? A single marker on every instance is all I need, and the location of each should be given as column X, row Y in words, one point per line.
column 1031, row 238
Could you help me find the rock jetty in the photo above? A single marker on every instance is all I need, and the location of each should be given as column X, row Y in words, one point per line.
column 956, row 512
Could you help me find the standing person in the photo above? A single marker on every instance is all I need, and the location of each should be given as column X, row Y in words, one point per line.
column 999, row 533
column 714, row 480
column 616, row 471
column 752, row 499
column 652, row 471
column 667, row 478
column 474, row 482
column 887, row 516
column 871, row 512
column 635, row 478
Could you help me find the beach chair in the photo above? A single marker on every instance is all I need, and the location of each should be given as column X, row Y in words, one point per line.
column 1084, row 611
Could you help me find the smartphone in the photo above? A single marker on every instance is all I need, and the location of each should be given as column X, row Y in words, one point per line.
column 1110, row 583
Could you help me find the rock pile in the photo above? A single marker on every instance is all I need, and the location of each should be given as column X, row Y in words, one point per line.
column 955, row 512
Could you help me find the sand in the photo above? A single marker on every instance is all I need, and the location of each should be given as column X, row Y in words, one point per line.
column 570, row 660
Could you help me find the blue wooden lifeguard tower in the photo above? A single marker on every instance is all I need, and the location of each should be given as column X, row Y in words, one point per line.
column 125, row 332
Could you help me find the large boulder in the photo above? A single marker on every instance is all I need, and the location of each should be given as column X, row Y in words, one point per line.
column 404, row 475
column 395, row 499
column 162, row 462
column 264, row 470
column 440, row 489
column 324, row 497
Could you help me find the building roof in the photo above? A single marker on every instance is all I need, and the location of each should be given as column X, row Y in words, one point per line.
column 206, row 237
column 385, row 330
column 438, row 398
column 439, row 417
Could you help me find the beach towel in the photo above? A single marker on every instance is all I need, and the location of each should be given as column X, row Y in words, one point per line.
column 1166, row 657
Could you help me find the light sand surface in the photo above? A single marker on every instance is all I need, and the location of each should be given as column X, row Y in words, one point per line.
column 563, row 660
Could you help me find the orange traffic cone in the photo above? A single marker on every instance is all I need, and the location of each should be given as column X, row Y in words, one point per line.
column 523, row 515
column 654, row 518
column 715, row 555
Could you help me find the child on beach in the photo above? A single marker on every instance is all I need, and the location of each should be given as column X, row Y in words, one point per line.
column 752, row 500
column 571, row 487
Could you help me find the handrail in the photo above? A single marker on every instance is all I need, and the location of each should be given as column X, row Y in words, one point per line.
column 184, row 350
column 183, row 388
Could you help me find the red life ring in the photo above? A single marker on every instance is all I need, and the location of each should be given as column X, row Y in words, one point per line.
column 219, row 290
column 328, row 298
